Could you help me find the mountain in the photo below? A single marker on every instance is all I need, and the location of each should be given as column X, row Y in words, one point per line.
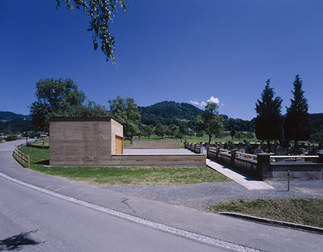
column 14, row 123
column 8, row 116
column 168, row 112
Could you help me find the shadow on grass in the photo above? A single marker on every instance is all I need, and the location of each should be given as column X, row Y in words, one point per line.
column 38, row 147
column 16, row 242
column 44, row 162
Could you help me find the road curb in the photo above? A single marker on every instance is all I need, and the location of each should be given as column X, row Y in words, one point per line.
column 274, row 222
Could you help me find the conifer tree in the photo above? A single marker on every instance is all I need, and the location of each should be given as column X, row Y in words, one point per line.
column 297, row 125
column 269, row 120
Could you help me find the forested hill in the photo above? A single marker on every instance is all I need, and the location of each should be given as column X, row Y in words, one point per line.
column 168, row 112
column 8, row 116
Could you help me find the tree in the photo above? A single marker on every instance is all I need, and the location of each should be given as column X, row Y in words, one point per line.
column 173, row 130
column 125, row 111
column 148, row 130
column 269, row 120
column 297, row 122
column 101, row 13
column 210, row 121
column 54, row 97
column 91, row 109
column 160, row 130
column 232, row 134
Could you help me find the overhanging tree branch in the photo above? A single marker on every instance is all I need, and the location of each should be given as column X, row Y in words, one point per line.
column 101, row 14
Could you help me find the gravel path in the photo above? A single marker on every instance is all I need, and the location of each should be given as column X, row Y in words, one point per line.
column 201, row 196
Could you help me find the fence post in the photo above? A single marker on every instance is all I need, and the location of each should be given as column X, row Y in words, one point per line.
column 233, row 156
column 263, row 166
column 320, row 159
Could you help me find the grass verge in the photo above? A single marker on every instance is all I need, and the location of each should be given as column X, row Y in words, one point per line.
column 301, row 211
column 123, row 175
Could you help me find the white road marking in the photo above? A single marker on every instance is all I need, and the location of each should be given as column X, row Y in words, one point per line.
column 165, row 228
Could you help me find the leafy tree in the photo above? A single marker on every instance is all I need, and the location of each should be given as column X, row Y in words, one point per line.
column 232, row 134
column 239, row 135
column 209, row 121
column 90, row 110
column 297, row 122
column 148, row 130
column 125, row 111
column 160, row 130
column 269, row 120
column 54, row 97
column 101, row 13
column 173, row 130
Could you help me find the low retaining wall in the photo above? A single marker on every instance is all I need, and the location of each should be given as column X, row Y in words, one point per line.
column 297, row 170
column 245, row 165
column 154, row 144
column 140, row 160
column 195, row 147
column 260, row 166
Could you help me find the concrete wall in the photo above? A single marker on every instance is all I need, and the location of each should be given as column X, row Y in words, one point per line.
column 245, row 165
column 263, row 169
column 80, row 141
column 297, row 170
column 154, row 144
column 143, row 160
column 91, row 142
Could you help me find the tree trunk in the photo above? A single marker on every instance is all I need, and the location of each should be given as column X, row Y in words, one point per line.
column 268, row 146
column 210, row 136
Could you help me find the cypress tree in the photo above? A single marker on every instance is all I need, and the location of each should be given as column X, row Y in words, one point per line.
column 297, row 124
column 269, row 119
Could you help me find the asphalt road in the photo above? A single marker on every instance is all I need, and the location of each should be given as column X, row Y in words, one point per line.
column 33, row 221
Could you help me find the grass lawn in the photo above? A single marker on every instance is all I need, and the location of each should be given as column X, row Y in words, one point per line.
column 194, row 139
column 302, row 211
column 123, row 175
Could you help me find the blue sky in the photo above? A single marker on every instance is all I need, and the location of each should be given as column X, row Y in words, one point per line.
column 179, row 50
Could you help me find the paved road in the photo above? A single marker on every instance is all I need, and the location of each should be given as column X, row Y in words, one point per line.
column 46, row 223
column 53, row 223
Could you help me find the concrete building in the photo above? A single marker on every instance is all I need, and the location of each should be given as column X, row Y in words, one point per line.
column 99, row 142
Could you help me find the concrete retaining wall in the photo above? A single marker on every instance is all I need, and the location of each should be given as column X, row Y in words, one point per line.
column 141, row 160
column 297, row 170
column 154, row 144
column 262, row 168
column 244, row 165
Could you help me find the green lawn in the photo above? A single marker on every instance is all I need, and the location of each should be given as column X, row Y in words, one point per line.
column 193, row 139
column 123, row 175
column 302, row 211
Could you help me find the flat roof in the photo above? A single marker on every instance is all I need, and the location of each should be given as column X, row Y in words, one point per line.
column 80, row 119
column 157, row 152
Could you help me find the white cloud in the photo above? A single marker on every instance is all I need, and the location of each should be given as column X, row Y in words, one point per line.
column 213, row 100
column 196, row 103
column 202, row 104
